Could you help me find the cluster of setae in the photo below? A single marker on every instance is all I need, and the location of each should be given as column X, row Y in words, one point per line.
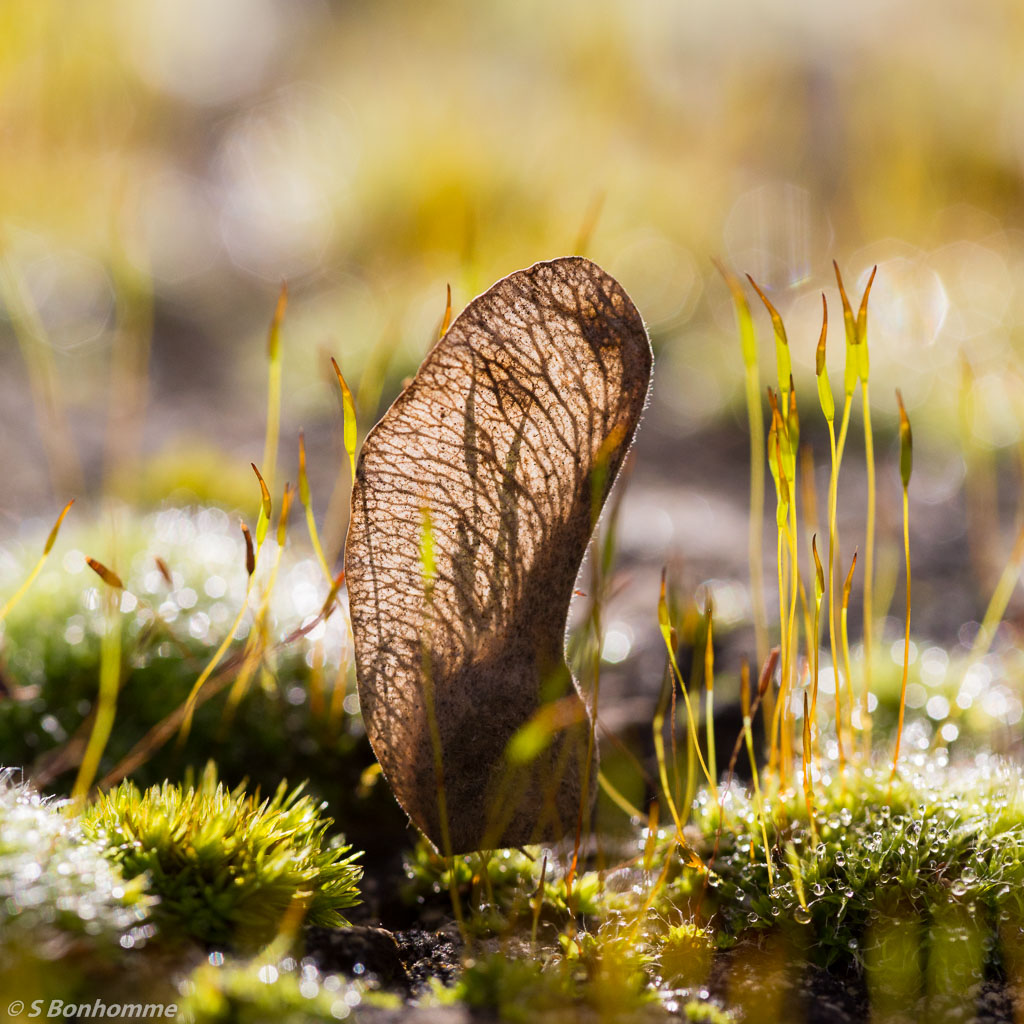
column 937, row 844
column 275, row 709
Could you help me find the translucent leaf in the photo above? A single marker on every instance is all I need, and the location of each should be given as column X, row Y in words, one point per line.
column 498, row 435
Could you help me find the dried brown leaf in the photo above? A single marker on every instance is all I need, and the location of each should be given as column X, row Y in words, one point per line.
column 498, row 435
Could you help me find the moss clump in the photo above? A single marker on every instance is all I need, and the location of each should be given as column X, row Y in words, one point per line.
column 516, row 990
column 613, row 969
column 684, row 956
column 69, row 922
column 226, row 865
column 501, row 889
column 938, row 844
column 55, row 886
column 173, row 614
column 256, row 991
column 605, row 976
column 697, row 1011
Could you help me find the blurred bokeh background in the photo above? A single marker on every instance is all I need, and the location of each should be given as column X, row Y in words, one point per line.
column 166, row 166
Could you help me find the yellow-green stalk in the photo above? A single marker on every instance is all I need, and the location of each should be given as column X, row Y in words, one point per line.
column 160, row 733
column 690, row 859
column 849, row 388
column 865, row 714
column 370, row 385
column 775, row 465
column 999, row 599
column 129, row 367
column 809, row 506
column 749, row 739
column 857, row 369
column 796, row 873
column 617, row 797
column 38, row 567
column 274, row 388
column 446, row 320
column 538, row 902
column 250, row 565
column 597, row 567
column 665, row 624
column 709, row 687
column 783, row 363
column 658, row 732
column 788, row 442
column 755, row 422
column 850, row 375
column 263, row 518
column 828, row 409
column 37, row 351
column 600, row 565
column 307, row 505
column 819, row 591
column 997, row 603
column 255, row 646
column 869, row 459
column 806, row 761
column 808, row 492
column 979, row 486
column 906, row 465
column 993, row 616
column 349, row 412
column 692, row 781
column 805, row 612
column 775, row 732
column 669, row 686
column 791, row 437
column 780, row 443
column 318, row 683
column 792, row 433
column 110, row 684
column 651, row 839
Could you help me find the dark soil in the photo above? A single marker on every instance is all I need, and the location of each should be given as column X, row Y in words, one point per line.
column 404, row 961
